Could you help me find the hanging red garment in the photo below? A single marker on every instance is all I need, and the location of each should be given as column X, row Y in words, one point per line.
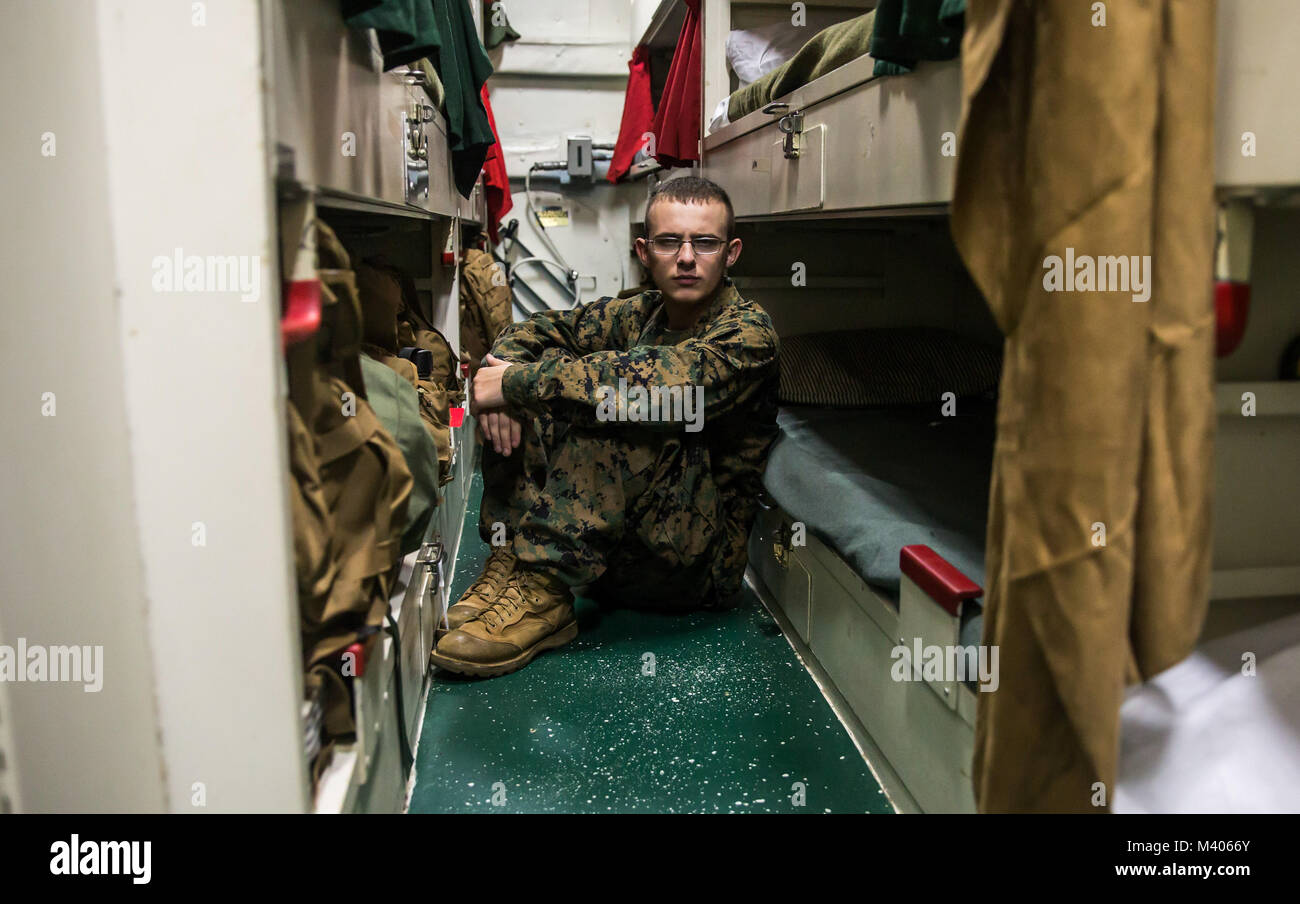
column 677, row 121
column 638, row 115
column 496, row 182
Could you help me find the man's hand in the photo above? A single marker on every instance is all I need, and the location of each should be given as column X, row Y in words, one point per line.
column 487, row 386
column 500, row 429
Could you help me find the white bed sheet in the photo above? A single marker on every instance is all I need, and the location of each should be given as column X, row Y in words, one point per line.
column 1202, row 737
column 754, row 52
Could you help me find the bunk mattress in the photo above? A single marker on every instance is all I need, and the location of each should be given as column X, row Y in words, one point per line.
column 871, row 481
column 827, row 50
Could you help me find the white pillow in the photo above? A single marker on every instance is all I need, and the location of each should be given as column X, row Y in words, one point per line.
column 754, row 52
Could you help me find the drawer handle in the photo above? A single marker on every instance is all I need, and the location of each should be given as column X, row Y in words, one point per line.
column 776, row 107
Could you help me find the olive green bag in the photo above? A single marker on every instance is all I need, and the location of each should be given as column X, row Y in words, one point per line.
column 394, row 327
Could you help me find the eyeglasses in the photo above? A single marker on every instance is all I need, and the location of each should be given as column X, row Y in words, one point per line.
column 671, row 244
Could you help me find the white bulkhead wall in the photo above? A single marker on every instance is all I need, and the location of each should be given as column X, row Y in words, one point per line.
column 205, row 401
column 149, row 516
column 73, row 570
column 567, row 75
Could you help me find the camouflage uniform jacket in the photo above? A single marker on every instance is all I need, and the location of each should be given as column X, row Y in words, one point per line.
column 563, row 359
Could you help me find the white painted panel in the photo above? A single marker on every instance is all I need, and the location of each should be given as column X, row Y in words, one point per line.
column 642, row 12
column 563, row 38
column 73, row 570
column 568, row 58
column 799, row 183
column 571, row 21
column 1257, row 75
column 535, row 116
column 187, row 168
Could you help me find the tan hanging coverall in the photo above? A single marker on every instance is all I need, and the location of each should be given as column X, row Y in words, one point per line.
column 1097, row 139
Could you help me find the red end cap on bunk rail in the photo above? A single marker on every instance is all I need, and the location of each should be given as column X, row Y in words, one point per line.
column 1231, row 306
column 938, row 577
column 358, row 651
column 301, row 317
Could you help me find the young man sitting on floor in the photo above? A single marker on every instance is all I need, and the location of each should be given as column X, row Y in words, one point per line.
column 624, row 447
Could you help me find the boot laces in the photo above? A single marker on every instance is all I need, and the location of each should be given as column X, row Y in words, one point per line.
column 510, row 601
column 498, row 566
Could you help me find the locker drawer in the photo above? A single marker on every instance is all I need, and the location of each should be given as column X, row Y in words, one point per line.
column 342, row 118
column 875, row 144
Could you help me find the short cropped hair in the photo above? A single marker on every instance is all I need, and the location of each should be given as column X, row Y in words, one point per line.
column 691, row 190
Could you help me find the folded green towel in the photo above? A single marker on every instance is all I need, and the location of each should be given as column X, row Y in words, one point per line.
column 407, row 29
column 908, row 31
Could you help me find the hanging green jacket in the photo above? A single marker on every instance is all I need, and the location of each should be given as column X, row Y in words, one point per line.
column 445, row 32
column 464, row 66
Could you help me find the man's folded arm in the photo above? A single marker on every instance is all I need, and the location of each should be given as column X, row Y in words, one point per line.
column 576, row 332
column 729, row 362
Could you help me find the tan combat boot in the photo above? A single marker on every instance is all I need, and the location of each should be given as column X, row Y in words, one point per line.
column 483, row 592
column 534, row 612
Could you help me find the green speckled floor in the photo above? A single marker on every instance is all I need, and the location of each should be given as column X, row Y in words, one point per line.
column 729, row 721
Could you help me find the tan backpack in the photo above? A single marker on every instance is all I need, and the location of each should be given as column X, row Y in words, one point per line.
column 351, row 487
column 440, row 389
column 395, row 331
column 485, row 304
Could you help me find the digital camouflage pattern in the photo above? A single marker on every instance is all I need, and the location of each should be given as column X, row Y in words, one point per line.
column 647, row 512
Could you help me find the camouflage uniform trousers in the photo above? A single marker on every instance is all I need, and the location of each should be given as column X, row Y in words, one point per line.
column 631, row 515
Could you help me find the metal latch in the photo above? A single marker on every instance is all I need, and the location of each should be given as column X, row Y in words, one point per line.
column 790, row 124
column 780, row 550
column 430, row 556
column 417, row 150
